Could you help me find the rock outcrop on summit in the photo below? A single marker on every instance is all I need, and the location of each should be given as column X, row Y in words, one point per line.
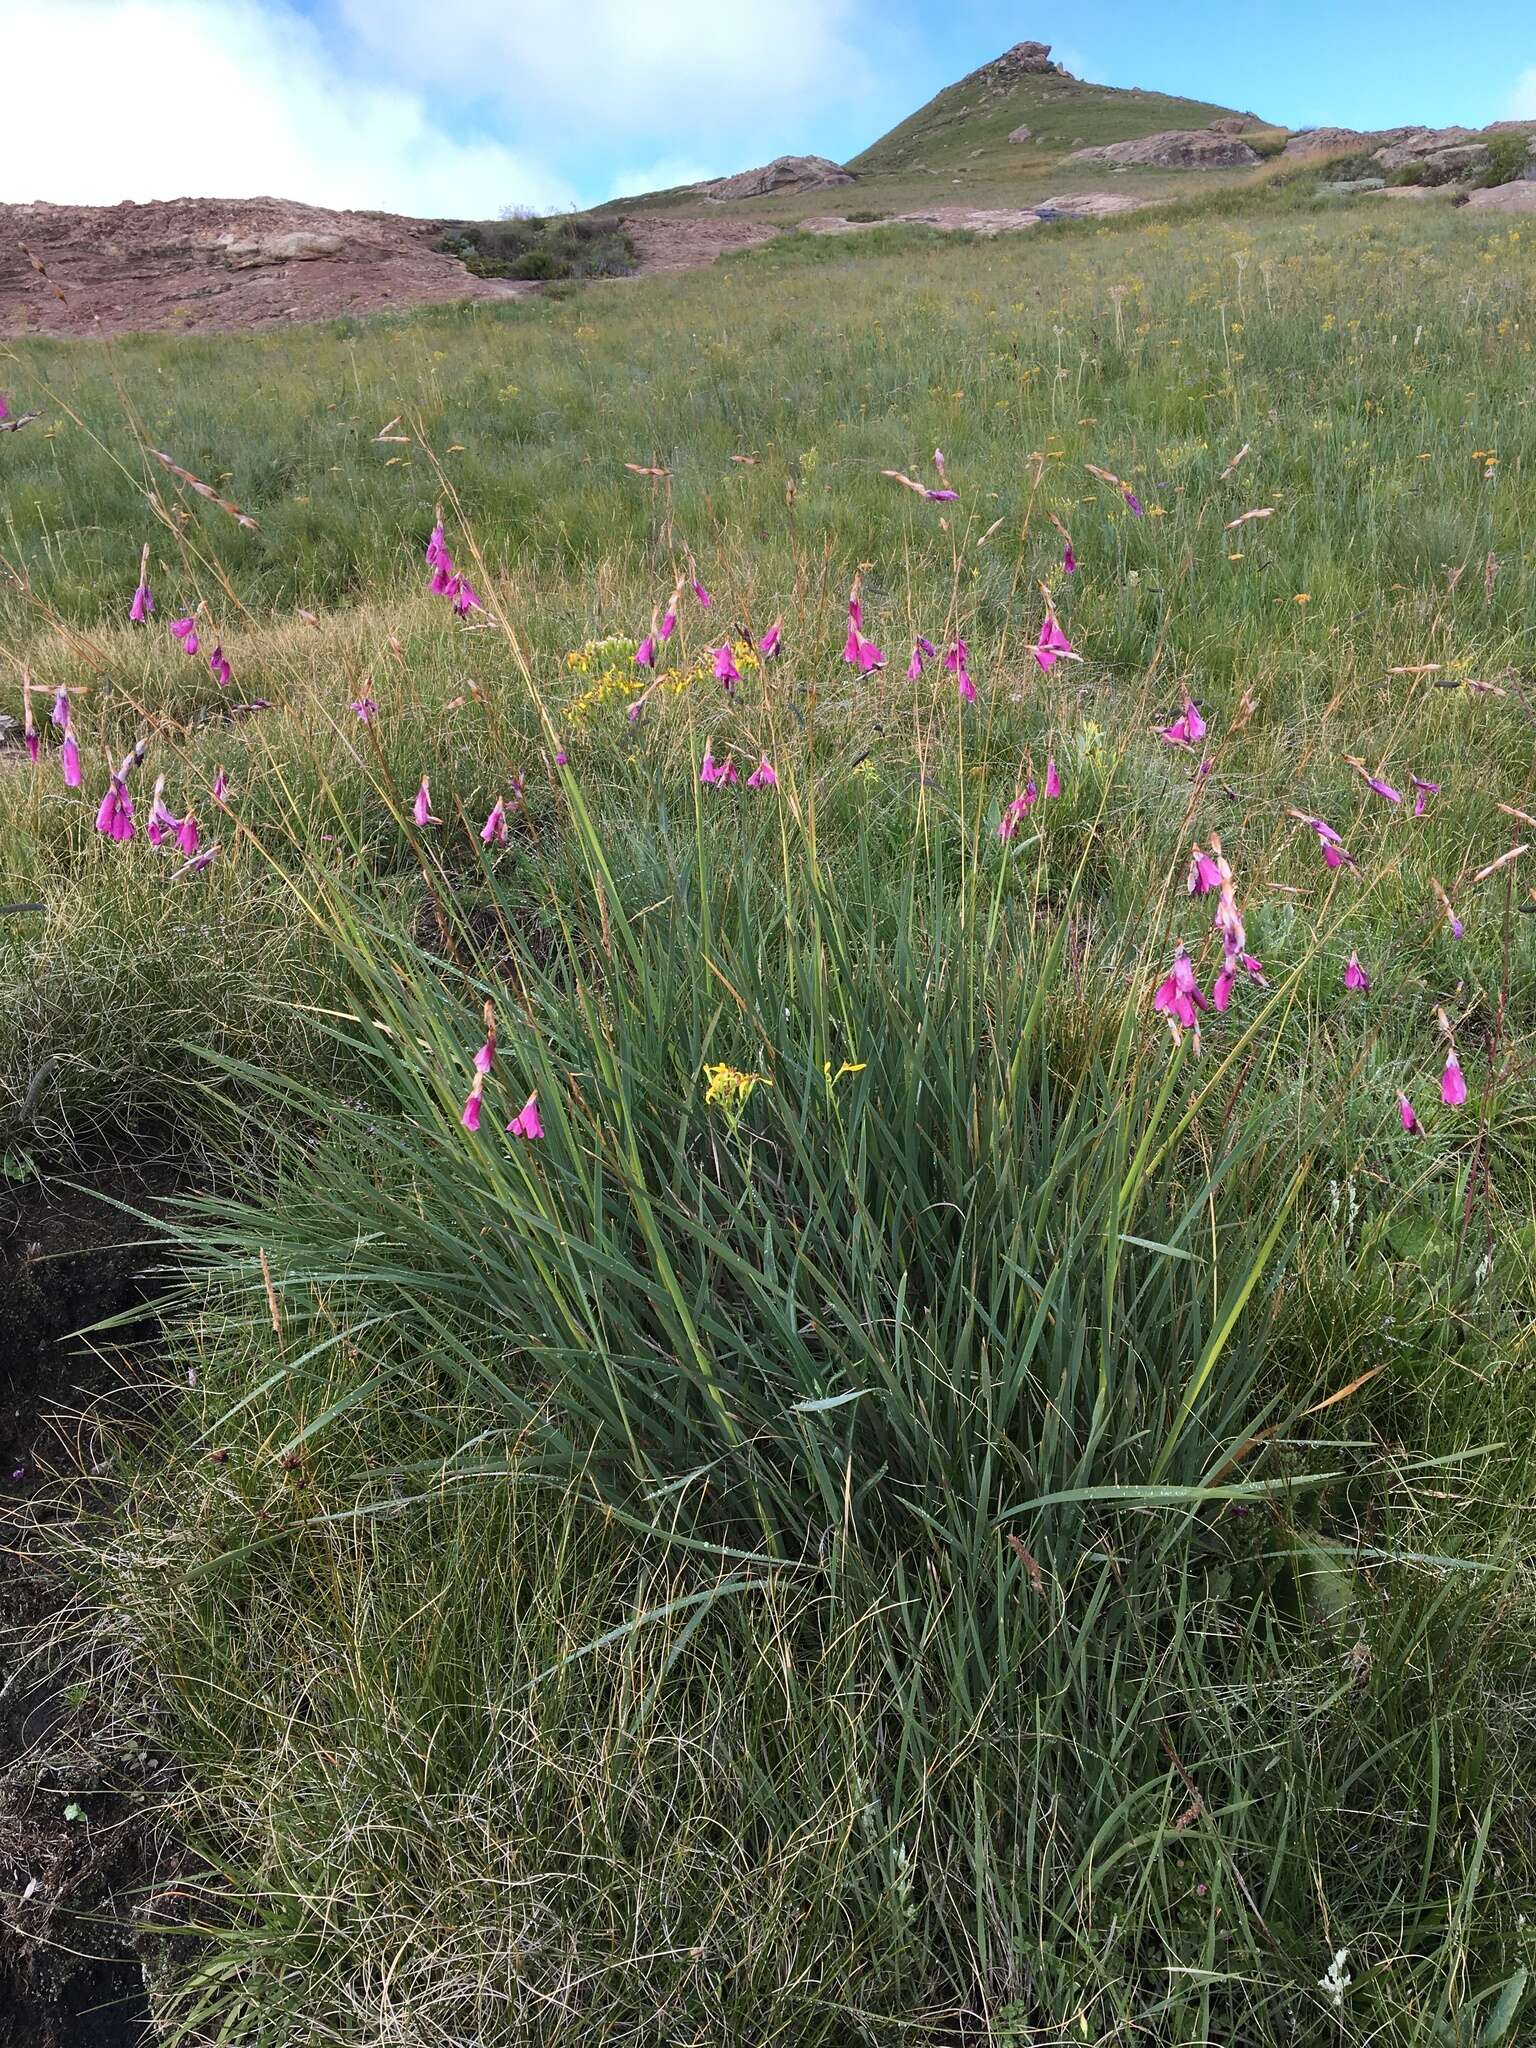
column 1025, row 57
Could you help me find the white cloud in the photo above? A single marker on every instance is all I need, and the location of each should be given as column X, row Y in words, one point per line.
column 161, row 98
column 757, row 75
column 1522, row 100
column 659, row 176
column 384, row 103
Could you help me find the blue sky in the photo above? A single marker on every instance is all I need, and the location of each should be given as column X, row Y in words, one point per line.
column 481, row 104
column 1370, row 64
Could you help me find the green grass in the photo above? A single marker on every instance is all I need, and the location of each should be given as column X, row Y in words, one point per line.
column 1010, row 1532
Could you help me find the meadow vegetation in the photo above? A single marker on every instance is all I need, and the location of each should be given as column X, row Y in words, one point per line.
column 923, row 1507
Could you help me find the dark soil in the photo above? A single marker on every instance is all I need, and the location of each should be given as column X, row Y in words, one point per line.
column 71, row 1973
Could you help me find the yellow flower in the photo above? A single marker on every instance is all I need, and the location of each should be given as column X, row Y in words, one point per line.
column 729, row 1087
column 848, row 1067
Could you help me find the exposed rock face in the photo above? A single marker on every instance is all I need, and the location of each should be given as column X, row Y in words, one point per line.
column 991, row 220
column 1439, row 156
column 1229, row 124
column 223, row 265
column 1193, row 149
column 784, row 174
column 1026, row 57
column 1419, row 144
column 1519, row 197
column 189, row 264
column 1020, row 135
column 301, row 245
column 1024, row 60
column 1446, row 166
column 1326, row 142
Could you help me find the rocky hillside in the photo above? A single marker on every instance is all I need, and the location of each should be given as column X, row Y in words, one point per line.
column 215, row 264
column 1024, row 101
column 1016, row 142
column 227, row 264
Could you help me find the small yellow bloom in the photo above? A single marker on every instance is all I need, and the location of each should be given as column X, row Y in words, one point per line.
column 729, row 1087
column 848, row 1067
column 1303, row 597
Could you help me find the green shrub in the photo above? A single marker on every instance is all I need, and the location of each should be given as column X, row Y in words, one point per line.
column 1509, row 159
column 566, row 246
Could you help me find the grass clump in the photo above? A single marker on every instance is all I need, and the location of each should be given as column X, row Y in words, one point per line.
column 911, row 1465
column 915, row 1509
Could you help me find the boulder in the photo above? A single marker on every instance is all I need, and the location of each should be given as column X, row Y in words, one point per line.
column 1026, row 57
column 784, row 174
column 1418, row 144
column 1019, row 135
column 1229, row 124
column 1326, row 142
column 1191, row 149
column 1090, row 205
column 299, row 245
column 1519, row 197
column 1449, row 166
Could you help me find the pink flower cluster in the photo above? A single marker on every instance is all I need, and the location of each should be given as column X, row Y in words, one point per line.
column 115, row 817
column 445, row 580
column 525, row 1125
column 1178, row 995
column 1019, row 808
column 721, row 774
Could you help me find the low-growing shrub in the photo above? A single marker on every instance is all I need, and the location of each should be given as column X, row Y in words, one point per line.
column 563, row 246
column 1509, row 159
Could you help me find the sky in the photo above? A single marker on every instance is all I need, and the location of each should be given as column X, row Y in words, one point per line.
column 480, row 105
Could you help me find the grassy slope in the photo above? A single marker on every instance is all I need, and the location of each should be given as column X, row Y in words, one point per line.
column 897, row 1777
column 955, row 151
